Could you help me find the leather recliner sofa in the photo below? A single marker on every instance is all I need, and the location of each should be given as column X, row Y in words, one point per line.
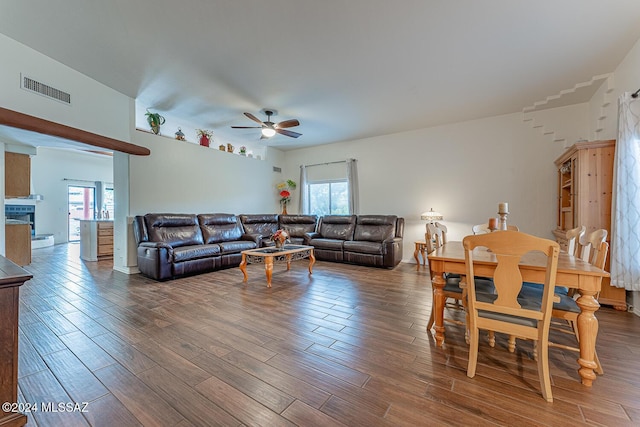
column 172, row 245
column 373, row 240
column 265, row 225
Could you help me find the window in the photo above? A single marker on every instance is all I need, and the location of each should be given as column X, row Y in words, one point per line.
column 328, row 198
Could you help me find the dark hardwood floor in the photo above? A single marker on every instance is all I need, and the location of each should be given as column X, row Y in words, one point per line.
column 346, row 346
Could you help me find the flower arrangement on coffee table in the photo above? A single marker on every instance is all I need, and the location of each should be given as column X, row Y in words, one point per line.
column 280, row 237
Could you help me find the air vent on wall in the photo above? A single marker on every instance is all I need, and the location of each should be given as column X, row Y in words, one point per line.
column 32, row 85
column 277, row 169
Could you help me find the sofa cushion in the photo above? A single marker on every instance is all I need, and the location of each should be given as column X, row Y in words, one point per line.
column 337, row 227
column 264, row 225
column 330, row 244
column 186, row 253
column 298, row 225
column 220, row 227
column 375, row 228
column 174, row 229
column 363, row 247
column 236, row 246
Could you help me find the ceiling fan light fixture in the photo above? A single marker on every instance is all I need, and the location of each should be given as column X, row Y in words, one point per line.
column 268, row 132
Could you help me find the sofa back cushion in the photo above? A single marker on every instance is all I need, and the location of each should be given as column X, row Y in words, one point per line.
column 375, row 228
column 220, row 227
column 298, row 225
column 338, row 227
column 265, row 224
column 173, row 229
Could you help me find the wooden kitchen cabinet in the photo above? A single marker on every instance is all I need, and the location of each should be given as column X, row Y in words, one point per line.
column 585, row 190
column 18, row 243
column 96, row 239
column 17, row 175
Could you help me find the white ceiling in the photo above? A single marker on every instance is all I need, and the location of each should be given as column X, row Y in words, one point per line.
column 347, row 69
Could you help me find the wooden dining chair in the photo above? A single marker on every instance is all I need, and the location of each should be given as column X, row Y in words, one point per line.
column 589, row 245
column 484, row 228
column 436, row 236
column 595, row 249
column 504, row 311
column 573, row 237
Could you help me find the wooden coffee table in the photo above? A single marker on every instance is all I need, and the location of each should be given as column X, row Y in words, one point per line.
column 269, row 255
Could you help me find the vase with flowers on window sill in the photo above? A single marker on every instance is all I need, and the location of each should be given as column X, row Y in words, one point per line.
column 284, row 189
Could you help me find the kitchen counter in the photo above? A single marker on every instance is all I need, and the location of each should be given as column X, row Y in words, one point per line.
column 96, row 239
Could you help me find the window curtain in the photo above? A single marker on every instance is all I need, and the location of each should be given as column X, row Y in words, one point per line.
column 352, row 182
column 304, row 191
column 625, row 235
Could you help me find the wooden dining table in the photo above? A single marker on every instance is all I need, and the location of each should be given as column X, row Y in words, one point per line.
column 572, row 273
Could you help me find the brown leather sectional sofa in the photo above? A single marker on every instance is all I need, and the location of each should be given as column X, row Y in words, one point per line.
column 374, row 240
column 172, row 245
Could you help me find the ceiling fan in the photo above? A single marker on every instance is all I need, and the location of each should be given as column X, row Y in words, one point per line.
column 269, row 128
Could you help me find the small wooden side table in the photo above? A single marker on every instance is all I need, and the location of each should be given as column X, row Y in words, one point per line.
column 421, row 249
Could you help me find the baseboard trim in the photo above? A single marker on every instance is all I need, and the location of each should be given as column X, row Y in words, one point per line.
column 127, row 270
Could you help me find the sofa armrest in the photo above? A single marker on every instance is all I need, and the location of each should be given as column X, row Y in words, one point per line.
column 157, row 245
column 306, row 240
column 257, row 238
column 252, row 237
column 392, row 249
column 155, row 260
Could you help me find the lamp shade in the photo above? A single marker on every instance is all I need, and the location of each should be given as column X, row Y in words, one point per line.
column 431, row 215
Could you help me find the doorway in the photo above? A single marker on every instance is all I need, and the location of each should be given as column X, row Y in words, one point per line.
column 82, row 205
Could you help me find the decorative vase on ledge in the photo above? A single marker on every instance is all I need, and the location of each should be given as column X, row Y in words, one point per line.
column 284, row 209
column 204, row 140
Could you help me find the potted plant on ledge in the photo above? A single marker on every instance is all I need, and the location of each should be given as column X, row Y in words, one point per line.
column 154, row 120
column 204, row 136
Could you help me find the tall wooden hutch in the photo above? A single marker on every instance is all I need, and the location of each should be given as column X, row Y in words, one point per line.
column 585, row 188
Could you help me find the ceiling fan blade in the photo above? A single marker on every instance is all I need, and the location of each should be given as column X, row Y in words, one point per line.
column 252, row 117
column 246, row 127
column 288, row 124
column 288, row 133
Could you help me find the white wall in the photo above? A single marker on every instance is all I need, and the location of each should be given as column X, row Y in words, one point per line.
column 184, row 177
column 462, row 170
column 94, row 106
column 52, row 171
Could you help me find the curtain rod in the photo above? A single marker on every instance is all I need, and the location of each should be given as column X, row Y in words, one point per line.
column 328, row 163
column 635, row 94
column 81, row 180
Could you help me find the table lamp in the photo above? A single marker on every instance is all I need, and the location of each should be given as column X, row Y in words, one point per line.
column 431, row 216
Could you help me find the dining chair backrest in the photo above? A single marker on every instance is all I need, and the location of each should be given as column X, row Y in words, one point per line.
column 484, row 228
column 589, row 246
column 435, row 237
column 502, row 311
column 444, row 229
column 573, row 237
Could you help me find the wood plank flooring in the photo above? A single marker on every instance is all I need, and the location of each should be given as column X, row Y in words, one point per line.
column 344, row 347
